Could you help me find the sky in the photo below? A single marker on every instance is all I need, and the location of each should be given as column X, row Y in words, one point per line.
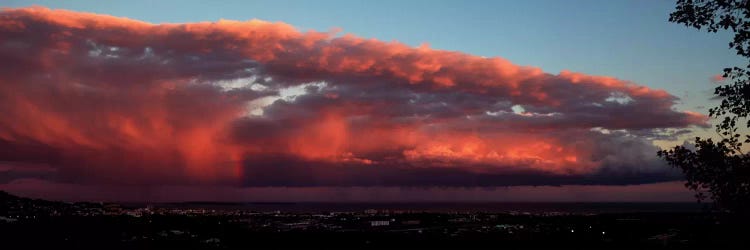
column 350, row 100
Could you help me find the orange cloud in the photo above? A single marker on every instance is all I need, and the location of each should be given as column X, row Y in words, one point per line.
column 718, row 78
column 113, row 100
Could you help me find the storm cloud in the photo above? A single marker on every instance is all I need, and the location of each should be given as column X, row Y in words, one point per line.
column 97, row 99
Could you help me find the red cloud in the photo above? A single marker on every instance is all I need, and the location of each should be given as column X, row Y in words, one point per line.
column 107, row 99
column 718, row 78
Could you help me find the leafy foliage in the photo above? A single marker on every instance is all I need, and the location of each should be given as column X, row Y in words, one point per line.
column 714, row 171
column 720, row 168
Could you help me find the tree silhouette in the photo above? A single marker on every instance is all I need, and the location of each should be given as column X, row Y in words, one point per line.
column 720, row 169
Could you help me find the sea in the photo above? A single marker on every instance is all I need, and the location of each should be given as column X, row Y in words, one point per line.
column 446, row 207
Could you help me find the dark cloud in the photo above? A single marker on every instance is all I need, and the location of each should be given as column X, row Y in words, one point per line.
column 107, row 100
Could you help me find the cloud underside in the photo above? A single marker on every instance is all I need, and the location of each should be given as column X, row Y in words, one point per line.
column 94, row 99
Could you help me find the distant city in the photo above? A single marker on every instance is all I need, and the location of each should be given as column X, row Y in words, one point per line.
column 192, row 225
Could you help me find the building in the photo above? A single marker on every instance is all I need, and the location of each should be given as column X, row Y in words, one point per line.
column 379, row 223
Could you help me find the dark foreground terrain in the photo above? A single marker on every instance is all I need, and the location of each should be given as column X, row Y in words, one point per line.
column 39, row 224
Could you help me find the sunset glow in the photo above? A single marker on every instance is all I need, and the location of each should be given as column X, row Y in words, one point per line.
column 109, row 100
